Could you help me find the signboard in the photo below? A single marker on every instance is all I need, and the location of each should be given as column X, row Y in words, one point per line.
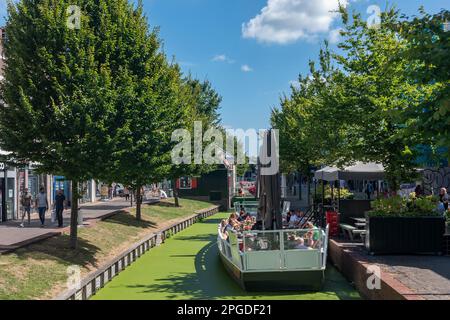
column 104, row 191
column 2, row 166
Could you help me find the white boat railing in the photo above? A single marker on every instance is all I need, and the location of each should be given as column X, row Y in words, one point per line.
column 250, row 207
column 276, row 250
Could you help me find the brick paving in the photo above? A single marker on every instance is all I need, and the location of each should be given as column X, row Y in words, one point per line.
column 13, row 237
column 421, row 276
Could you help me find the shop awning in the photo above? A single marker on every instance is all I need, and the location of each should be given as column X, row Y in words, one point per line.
column 358, row 171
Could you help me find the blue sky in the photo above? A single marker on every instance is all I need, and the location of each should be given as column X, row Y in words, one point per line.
column 250, row 55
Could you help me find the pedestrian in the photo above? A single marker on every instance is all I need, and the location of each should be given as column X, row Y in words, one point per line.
column 60, row 201
column 369, row 190
column 444, row 198
column 418, row 191
column 26, row 206
column 42, row 205
column 126, row 193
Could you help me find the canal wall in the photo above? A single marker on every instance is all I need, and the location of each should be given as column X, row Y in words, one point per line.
column 357, row 269
column 96, row 280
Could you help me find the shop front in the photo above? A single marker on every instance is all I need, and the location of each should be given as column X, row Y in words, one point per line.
column 60, row 183
column 8, row 193
column 87, row 189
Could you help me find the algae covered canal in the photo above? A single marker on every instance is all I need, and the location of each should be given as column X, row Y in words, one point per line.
column 188, row 266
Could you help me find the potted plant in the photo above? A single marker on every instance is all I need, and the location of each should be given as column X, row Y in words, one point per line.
column 397, row 225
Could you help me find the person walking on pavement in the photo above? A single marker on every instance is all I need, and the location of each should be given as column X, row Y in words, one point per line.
column 60, row 201
column 369, row 189
column 26, row 206
column 126, row 193
column 42, row 205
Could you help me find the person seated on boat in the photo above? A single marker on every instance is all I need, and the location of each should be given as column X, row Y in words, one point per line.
column 291, row 241
column 302, row 219
column 300, row 243
column 247, row 224
column 293, row 220
column 289, row 215
column 242, row 215
column 233, row 217
column 232, row 221
column 223, row 229
column 296, row 220
column 313, row 235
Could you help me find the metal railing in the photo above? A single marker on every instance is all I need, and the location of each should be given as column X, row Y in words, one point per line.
column 276, row 250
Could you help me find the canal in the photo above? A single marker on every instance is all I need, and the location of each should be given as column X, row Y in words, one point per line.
column 187, row 266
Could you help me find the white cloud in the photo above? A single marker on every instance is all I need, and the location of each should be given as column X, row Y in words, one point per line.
column 334, row 36
column 222, row 58
column 286, row 21
column 246, row 68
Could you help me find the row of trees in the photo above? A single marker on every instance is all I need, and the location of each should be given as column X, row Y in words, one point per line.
column 99, row 101
column 380, row 95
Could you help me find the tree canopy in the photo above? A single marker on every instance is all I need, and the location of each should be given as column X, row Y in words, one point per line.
column 365, row 101
column 97, row 100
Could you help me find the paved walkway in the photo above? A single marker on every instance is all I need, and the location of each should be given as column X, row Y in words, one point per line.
column 427, row 277
column 188, row 266
column 13, row 237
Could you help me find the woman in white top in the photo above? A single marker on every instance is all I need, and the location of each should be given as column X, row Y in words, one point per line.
column 42, row 205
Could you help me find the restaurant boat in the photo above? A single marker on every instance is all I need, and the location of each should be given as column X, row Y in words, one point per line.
column 273, row 260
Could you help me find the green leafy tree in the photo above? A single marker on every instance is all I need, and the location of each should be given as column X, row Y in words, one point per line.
column 58, row 91
column 356, row 103
column 427, row 50
column 201, row 103
column 378, row 94
column 75, row 97
column 310, row 133
column 151, row 109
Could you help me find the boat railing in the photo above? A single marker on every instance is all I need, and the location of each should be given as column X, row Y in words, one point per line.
column 249, row 206
column 276, row 250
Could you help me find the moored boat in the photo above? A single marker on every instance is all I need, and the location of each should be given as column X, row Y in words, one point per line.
column 274, row 260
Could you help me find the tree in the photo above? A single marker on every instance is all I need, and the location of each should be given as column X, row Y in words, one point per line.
column 378, row 93
column 201, row 103
column 310, row 133
column 151, row 110
column 51, row 112
column 65, row 90
column 363, row 95
column 427, row 51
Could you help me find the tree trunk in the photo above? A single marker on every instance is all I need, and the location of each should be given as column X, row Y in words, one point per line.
column 131, row 197
column 138, row 203
column 175, row 194
column 74, row 216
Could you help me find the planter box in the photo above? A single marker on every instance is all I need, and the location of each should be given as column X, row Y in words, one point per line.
column 349, row 208
column 405, row 235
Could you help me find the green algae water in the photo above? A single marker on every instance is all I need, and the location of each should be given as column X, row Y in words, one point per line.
column 187, row 266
